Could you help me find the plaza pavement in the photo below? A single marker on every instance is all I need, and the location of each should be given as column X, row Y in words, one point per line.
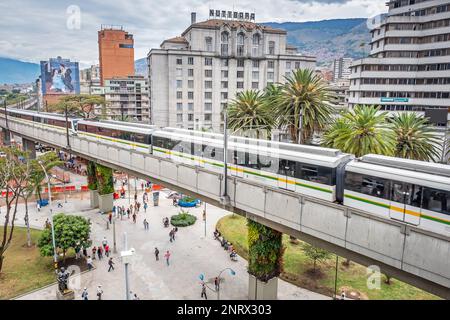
column 192, row 254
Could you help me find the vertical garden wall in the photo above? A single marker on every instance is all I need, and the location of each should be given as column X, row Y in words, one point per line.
column 105, row 187
column 92, row 183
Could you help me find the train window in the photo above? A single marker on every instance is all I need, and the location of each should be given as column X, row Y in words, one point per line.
column 268, row 164
column 436, row 200
column 287, row 168
column 316, row 174
column 373, row 186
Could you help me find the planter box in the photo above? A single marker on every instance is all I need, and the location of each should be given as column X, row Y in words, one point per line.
column 93, row 195
column 105, row 202
column 258, row 290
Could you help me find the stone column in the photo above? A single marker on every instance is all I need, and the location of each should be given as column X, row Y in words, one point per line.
column 264, row 261
column 30, row 147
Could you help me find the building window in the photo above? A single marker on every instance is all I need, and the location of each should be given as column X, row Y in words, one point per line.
column 240, row 85
column 208, row 73
column 240, row 63
column 270, row 75
column 240, row 74
column 208, row 84
column 179, row 106
column 224, row 95
column 190, row 72
column 179, row 72
column 190, row 84
column 191, row 61
column 255, row 75
column 256, row 44
column 270, row 64
column 224, row 37
column 179, row 117
column 271, row 47
column 208, row 61
column 224, row 62
column 208, row 44
column 255, row 85
column 190, row 117
column 179, row 95
column 208, row 117
column 224, row 85
column 240, row 44
column 179, row 84
column 297, row 65
column 208, row 95
column 190, row 95
column 208, row 106
column 255, row 63
column 179, row 61
column 190, row 106
column 224, row 73
column 288, row 65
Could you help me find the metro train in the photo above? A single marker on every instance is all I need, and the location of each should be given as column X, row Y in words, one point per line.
column 412, row 192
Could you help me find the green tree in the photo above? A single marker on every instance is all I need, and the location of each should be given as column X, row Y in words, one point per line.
column 70, row 232
column 414, row 137
column 48, row 160
column 79, row 105
column 317, row 255
column 304, row 95
column 361, row 131
column 249, row 111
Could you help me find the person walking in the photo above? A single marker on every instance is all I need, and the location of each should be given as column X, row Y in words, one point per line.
column 84, row 294
column 145, row 207
column 145, row 224
column 134, row 217
column 114, row 210
column 38, row 205
column 104, row 242
column 99, row 292
column 216, row 283
column 167, row 256
column 111, row 264
column 138, row 206
column 85, row 252
column 204, row 292
column 107, row 251
column 128, row 213
column 110, row 217
column 89, row 263
column 171, row 235
column 156, row 254
column 94, row 251
column 100, row 253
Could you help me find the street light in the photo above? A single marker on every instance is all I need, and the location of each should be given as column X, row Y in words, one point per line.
column 55, row 257
column 202, row 278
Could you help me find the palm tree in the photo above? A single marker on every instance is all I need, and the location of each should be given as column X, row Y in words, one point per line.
column 304, row 96
column 361, row 131
column 250, row 111
column 415, row 138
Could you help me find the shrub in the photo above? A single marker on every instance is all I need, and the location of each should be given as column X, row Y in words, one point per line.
column 183, row 219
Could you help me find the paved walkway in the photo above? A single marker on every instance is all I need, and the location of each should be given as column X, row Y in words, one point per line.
column 192, row 255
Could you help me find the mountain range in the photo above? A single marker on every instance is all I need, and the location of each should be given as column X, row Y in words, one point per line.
column 326, row 39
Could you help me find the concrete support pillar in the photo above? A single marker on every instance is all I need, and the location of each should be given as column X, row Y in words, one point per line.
column 105, row 202
column 30, row 147
column 93, row 197
column 259, row 290
column 6, row 137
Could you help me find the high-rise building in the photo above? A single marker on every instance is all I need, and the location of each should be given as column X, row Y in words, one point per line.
column 116, row 53
column 193, row 76
column 409, row 64
column 341, row 68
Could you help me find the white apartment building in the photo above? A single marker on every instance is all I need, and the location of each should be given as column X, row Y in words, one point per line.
column 409, row 65
column 193, row 76
column 341, row 69
column 126, row 99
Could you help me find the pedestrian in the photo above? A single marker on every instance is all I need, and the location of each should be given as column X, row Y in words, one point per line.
column 111, row 264
column 135, row 197
column 128, row 213
column 110, row 217
column 107, row 250
column 142, row 186
column 89, row 263
column 85, row 252
column 145, row 207
column 77, row 252
column 99, row 292
column 38, row 205
column 134, row 217
column 204, row 292
column 156, row 254
column 85, row 294
column 135, row 297
column 145, row 224
column 167, row 256
column 138, row 206
column 104, row 242
column 216, row 283
column 171, row 235
column 100, row 253
column 94, row 251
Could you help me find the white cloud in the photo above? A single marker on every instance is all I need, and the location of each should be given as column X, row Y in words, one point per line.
column 36, row 30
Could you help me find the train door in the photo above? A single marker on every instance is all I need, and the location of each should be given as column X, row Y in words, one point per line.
column 405, row 202
column 238, row 163
column 287, row 174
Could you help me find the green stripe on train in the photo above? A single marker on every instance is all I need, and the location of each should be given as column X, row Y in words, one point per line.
column 367, row 201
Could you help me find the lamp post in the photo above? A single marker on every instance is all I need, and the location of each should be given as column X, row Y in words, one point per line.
column 202, row 278
column 335, row 278
column 55, row 257
column 225, row 198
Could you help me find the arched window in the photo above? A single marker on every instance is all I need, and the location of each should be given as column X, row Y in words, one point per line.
column 256, row 44
column 224, row 43
column 240, row 44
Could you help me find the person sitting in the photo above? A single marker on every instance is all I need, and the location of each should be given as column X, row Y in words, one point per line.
column 223, row 242
column 226, row 245
column 233, row 255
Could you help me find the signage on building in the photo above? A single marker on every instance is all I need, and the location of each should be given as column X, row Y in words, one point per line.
column 232, row 15
column 394, row 100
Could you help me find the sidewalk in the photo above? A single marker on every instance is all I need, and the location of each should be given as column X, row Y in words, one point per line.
column 192, row 255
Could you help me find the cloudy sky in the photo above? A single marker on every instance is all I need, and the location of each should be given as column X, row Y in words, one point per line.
column 34, row 30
